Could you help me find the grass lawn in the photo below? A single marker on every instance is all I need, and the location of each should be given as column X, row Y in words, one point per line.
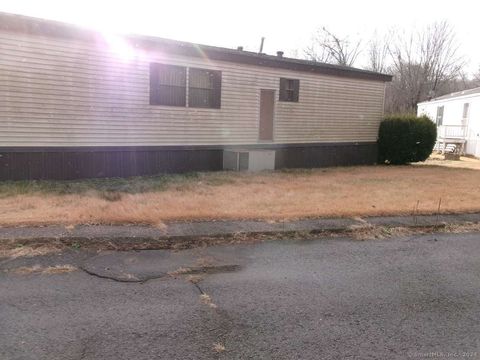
column 332, row 192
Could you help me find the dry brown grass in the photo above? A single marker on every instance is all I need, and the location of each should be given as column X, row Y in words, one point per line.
column 194, row 279
column 11, row 251
column 333, row 192
column 217, row 347
column 381, row 232
column 49, row 270
column 207, row 300
column 465, row 162
column 180, row 271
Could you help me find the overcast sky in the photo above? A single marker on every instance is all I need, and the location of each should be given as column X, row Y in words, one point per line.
column 286, row 25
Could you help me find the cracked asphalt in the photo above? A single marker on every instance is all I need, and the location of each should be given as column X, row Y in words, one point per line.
column 406, row 297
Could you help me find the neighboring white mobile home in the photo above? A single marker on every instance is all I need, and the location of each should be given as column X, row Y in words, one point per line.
column 76, row 103
column 457, row 116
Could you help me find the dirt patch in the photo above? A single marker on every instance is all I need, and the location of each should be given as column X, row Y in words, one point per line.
column 271, row 196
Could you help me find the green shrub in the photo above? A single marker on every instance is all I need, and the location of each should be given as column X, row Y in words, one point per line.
column 405, row 139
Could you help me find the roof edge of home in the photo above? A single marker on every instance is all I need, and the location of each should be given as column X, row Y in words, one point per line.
column 37, row 26
column 454, row 95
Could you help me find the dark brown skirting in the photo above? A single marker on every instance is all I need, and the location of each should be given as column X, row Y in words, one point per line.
column 324, row 155
column 73, row 164
column 66, row 163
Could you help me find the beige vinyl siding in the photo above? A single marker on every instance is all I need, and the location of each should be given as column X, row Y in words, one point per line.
column 56, row 92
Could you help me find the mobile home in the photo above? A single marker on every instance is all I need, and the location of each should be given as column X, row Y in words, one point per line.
column 457, row 116
column 76, row 103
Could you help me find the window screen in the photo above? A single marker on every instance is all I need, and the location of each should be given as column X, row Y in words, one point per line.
column 289, row 89
column 167, row 85
column 204, row 88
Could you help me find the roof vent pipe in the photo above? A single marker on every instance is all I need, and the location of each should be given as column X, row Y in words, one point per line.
column 280, row 54
column 261, row 45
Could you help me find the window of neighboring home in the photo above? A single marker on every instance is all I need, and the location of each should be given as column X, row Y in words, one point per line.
column 204, row 88
column 466, row 108
column 439, row 120
column 289, row 89
column 167, row 85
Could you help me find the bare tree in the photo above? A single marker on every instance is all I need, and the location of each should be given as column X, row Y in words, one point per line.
column 378, row 53
column 421, row 64
column 424, row 63
column 460, row 83
column 476, row 78
column 330, row 48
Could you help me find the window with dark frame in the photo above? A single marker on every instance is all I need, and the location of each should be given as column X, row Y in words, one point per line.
column 204, row 88
column 168, row 85
column 289, row 89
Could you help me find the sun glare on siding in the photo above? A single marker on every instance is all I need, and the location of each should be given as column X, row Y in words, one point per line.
column 119, row 46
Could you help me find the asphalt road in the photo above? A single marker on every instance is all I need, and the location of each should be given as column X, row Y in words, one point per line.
column 416, row 297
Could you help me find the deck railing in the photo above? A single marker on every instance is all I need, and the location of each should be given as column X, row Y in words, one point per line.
column 452, row 132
